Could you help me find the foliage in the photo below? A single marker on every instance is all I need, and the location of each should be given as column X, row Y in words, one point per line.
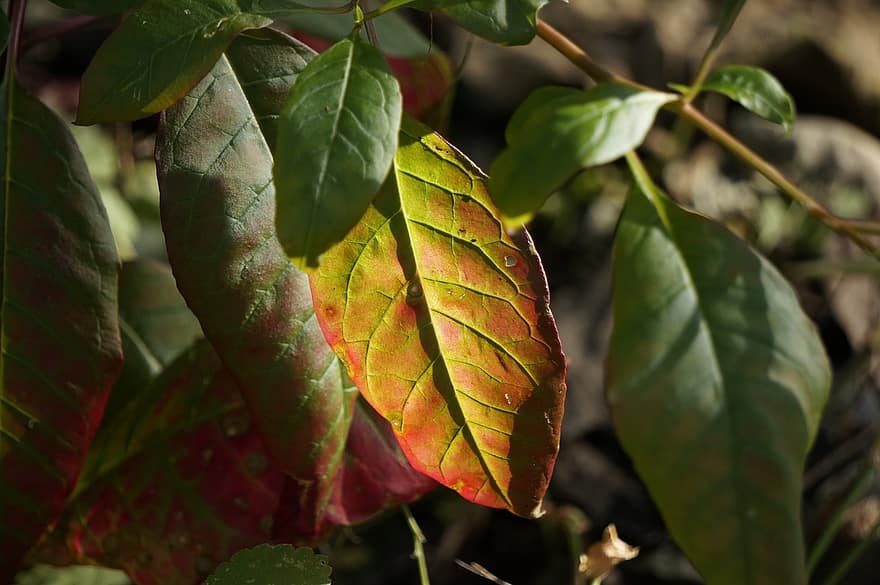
column 360, row 315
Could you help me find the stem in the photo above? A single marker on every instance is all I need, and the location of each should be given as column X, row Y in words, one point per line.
column 418, row 549
column 702, row 74
column 582, row 60
column 16, row 24
column 833, row 527
column 57, row 29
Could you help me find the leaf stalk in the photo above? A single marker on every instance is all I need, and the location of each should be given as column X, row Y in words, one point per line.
column 418, row 548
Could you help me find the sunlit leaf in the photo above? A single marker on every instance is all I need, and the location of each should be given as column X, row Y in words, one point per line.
column 562, row 130
column 98, row 6
column 442, row 320
column 77, row 575
column 717, row 381
column 61, row 347
column 215, row 171
column 755, row 89
column 337, row 137
column 509, row 22
column 185, row 481
column 281, row 564
column 157, row 54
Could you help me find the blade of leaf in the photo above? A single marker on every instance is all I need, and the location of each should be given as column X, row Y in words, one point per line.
column 217, row 200
column 4, row 30
column 185, row 481
column 560, row 132
column 273, row 564
column 160, row 52
column 730, row 9
column 156, row 328
column 756, row 90
column 507, row 22
column 60, row 337
column 336, row 141
column 442, row 320
column 98, row 6
column 717, row 381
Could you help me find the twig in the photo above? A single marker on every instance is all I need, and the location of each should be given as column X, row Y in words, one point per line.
column 418, row 549
column 581, row 59
column 480, row 571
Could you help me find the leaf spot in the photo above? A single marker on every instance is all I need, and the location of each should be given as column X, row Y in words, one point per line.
column 509, row 261
column 414, row 292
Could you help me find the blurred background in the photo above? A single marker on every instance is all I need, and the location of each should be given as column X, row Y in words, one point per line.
column 825, row 52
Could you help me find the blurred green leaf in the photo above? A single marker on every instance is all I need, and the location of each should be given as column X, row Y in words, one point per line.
column 336, row 141
column 755, row 89
column 273, row 564
column 160, row 52
column 716, row 384
column 558, row 131
column 729, row 11
column 76, row 575
column 507, row 22
column 4, row 30
column 97, row 6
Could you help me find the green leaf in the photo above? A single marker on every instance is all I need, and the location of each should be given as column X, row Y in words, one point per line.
column 443, row 322
column 716, row 383
column 4, row 30
column 508, row 22
column 337, row 138
column 730, row 9
column 58, row 319
column 559, row 131
column 281, row 564
column 218, row 200
column 157, row 55
column 98, row 6
column 83, row 575
column 397, row 37
column 156, row 327
column 756, row 90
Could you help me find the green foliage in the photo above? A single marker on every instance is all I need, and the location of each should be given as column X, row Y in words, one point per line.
column 46, row 575
column 337, row 138
column 279, row 564
column 709, row 338
column 418, row 347
column 558, row 131
column 98, row 6
column 157, row 55
column 753, row 88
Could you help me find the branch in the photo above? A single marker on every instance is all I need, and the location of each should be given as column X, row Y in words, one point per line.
column 582, row 60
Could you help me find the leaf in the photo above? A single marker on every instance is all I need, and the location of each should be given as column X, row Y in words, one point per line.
column 156, row 327
column 336, row 140
column 215, row 175
column 98, row 6
column 268, row 563
column 81, row 575
column 157, row 55
column 61, row 349
column 442, row 320
column 397, row 37
column 508, row 22
column 560, row 131
column 185, row 481
column 716, row 383
column 730, row 9
column 756, row 90
column 4, row 30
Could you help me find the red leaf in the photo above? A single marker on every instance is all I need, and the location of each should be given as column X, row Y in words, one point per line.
column 61, row 347
column 443, row 322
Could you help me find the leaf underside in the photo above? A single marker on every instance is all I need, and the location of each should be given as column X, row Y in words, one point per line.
column 507, row 22
column 442, row 320
column 61, row 350
column 716, row 385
